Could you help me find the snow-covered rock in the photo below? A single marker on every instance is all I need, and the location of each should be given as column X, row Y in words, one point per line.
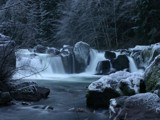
column 144, row 106
column 114, row 85
column 113, row 80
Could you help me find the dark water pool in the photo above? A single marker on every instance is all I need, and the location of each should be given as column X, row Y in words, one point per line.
column 66, row 102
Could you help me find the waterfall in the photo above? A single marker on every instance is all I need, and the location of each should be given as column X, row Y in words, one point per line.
column 132, row 65
column 37, row 65
column 42, row 65
column 95, row 57
column 57, row 65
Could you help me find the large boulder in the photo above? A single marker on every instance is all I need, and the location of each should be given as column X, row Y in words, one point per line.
column 144, row 106
column 68, row 58
column 114, row 85
column 5, row 98
column 103, row 67
column 109, row 55
column 96, row 99
column 121, row 63
column 28, row 91
column 152, row 75
column 82, row 52
column 40, row 49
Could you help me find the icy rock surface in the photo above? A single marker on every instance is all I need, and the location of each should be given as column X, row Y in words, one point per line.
column 144, row 106
column 146, row 100
column 113, row 80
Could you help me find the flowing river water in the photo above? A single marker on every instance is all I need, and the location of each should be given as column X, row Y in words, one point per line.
column 65, row 102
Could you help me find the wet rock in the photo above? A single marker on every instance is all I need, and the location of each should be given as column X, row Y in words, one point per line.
column 125, row 52
column 125, row 88
column 109, row 55
column 144, row 106
column 96, row 99
column 67, row 49
column 103, row 67
column 142, row 86
column 40, row 49
column 121, row 63
column 52, row 51
column 5, row 98
column 29, row 92
column 68, row 59
column 81, row 51
column 68, row 63
column 50, row 108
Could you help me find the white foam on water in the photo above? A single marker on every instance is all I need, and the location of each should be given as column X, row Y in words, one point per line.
column 95, row 57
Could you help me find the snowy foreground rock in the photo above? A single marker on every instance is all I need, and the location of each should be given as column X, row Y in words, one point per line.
column 114, row 85
column 144, row 106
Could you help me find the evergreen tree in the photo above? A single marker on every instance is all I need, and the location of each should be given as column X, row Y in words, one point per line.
column 147, row 21
column 34, row 20
column 48, row 17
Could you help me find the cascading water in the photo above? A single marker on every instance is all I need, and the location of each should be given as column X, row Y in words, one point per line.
column 36, row 65
column 132, row 65
column 95, row 57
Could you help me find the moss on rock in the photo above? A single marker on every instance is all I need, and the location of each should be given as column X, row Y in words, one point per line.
column 152, row 74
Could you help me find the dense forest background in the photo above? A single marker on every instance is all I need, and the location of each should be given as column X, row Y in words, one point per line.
column 104, row 24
